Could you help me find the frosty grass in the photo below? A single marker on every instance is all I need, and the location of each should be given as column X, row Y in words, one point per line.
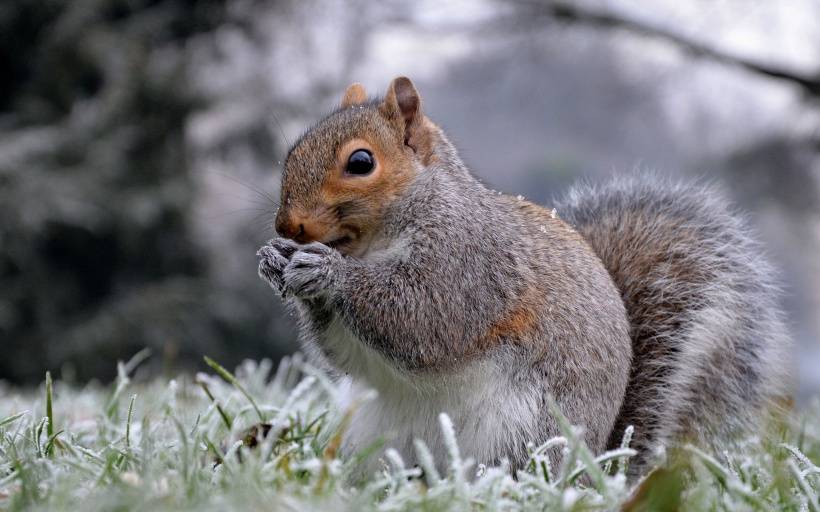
column 185, row 445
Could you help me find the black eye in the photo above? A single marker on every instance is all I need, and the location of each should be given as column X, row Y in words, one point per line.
column 360, row 163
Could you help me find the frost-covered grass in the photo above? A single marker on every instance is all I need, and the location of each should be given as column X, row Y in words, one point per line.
column 183, row 445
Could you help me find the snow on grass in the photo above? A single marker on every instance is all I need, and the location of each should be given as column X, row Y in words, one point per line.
column 253, row 440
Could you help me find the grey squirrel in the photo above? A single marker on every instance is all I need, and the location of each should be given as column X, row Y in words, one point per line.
column 642, row 302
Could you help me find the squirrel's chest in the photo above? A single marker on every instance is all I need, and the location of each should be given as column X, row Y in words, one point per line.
column 490, row 410
column 354, row 358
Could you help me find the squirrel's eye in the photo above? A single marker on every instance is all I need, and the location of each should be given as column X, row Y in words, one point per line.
column 360, row 162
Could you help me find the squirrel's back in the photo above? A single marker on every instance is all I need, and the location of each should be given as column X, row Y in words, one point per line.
column 708, row 339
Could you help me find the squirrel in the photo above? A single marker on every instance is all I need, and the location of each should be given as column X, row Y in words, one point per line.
column 641, row 302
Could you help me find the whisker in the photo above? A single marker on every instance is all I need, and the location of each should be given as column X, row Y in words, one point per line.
column 260, row 212
column 262, row 229
column 281, row 130
column 253, row 201
column 264, row 195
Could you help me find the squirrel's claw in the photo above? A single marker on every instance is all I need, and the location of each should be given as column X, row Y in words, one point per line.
column 285, row 246
column 273, row 258
column 317, row 248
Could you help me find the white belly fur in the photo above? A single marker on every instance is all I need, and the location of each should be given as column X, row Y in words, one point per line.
column 490, row 413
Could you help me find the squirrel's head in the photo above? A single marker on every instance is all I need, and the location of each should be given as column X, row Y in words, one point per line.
column 342, row 175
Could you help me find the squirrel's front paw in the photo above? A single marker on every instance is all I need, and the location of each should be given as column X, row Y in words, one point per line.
column 273, row 258
column 311, row 270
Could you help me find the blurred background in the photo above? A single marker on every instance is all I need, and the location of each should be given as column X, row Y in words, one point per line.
column 141, row 143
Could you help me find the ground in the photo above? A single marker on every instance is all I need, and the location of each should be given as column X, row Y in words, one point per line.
column 185, row 444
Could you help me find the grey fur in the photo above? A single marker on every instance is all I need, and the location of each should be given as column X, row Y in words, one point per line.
column 465, row 285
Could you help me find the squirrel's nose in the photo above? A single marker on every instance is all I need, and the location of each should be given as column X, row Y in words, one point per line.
column 297, row 227
column 287, row 227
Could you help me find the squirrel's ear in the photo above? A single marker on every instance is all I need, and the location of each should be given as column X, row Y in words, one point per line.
column 403, row 99
column 402, row 105
column 354, row 95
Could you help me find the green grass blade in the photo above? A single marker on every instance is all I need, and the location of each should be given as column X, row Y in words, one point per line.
column 49, row 412
column 229, row 377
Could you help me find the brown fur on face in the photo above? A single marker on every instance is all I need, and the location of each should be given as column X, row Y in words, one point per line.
column 321, row 201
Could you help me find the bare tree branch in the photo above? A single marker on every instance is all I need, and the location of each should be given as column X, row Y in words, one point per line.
column 572, row 13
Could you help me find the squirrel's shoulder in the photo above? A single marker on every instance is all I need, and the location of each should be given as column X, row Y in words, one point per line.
column 539, row 222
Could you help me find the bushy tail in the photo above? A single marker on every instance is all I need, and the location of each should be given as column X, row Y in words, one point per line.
column 708, row 338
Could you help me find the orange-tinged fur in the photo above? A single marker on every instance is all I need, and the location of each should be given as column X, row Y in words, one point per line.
column 520, row 320
column 523, row 318
column 386, row 182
